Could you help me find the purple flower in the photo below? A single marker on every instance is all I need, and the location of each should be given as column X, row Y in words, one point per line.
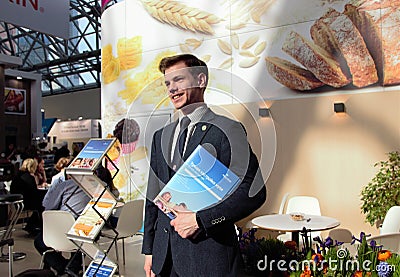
column 328, row 242
column 318, row 239
column 362, row 235
column 338, row 243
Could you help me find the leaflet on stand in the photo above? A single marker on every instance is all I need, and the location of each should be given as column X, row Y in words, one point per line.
column 91, row 155
column 93, row 186
column 200, row 182
column 89, row 224
column 101, row 266
column 82, row 168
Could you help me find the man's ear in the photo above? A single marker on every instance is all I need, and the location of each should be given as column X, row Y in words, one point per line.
column 202, row 80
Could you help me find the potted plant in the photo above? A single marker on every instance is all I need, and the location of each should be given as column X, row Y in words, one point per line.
column 383, row 191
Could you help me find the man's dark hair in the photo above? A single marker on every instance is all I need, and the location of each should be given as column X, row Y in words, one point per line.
column 196, row 65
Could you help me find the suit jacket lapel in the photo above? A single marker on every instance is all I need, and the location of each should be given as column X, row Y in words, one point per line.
column 166, row 145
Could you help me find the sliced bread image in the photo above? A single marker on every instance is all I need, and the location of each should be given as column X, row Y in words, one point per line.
column 379, row 25
column 337, row 34
column 291, row 75
column 317, row 60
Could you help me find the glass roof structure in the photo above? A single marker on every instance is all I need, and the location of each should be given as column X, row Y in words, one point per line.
column 66, row 65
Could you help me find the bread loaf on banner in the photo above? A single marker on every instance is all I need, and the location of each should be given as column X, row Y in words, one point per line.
column 317, row 60
column 379, row 25
column 291, row 75
column 337, row 34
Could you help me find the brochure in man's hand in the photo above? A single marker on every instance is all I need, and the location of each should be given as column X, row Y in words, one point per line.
column 200, row 182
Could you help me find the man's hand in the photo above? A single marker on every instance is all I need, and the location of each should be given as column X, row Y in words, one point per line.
column 148, row 260
column 185, row 224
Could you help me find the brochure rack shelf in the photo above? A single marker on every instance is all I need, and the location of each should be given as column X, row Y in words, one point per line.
column 86, row 231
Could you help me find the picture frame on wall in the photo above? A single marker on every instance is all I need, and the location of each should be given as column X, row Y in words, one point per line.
column 15, row 101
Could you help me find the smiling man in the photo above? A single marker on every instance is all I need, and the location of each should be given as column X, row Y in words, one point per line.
column 202, row 243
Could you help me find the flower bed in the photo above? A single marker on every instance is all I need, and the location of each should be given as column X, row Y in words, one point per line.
column 271, row 257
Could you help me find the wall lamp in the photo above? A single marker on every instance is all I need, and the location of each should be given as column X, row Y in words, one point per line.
column 263, row 112
column 339, row 107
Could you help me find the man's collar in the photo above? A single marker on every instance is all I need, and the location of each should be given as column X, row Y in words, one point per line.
column 196, row 114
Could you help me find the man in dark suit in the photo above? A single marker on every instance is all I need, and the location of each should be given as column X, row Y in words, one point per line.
column 202, row 243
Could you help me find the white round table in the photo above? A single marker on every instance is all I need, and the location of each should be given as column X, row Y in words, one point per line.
column 284, row 223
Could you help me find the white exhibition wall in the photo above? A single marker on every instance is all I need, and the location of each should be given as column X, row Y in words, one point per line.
column 313, row 151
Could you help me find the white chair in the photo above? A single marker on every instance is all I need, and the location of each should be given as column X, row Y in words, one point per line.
column 129, row 223
column 283, row 203
column 391, row 222
column 346, row 237
column 56, row 224
column 341, row 235
column 390, row 241
column 389, row 232
column 304, row 204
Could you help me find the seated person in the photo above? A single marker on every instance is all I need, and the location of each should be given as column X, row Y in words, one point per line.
column 56, row 199
column 60, row 166
column 40, row 173
column 24, row 183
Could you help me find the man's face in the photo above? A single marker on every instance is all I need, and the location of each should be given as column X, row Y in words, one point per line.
column 183, row 88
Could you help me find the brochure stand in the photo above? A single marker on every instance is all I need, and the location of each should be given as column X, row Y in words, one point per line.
column 86, row 231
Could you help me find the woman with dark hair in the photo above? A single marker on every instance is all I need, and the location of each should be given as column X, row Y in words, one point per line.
column 40, row 173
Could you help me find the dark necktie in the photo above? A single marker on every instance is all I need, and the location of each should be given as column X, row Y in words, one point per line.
column 180, row 144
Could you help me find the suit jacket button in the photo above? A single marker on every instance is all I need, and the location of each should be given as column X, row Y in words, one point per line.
column 165, row 230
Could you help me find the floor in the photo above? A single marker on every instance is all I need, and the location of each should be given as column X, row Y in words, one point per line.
column 24, row 243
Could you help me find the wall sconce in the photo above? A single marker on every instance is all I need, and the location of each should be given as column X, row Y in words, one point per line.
column 19, row 78
column 263, row 112
column 339, row 107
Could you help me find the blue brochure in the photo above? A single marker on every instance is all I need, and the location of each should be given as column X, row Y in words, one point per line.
column 202, row 181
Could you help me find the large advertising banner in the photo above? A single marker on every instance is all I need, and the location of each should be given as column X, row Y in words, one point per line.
column 256, row 50
column 37, row 14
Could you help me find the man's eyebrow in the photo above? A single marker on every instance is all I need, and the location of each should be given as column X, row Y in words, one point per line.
column 175, row 77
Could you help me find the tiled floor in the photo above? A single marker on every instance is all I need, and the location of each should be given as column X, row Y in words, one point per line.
column 23, row 243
